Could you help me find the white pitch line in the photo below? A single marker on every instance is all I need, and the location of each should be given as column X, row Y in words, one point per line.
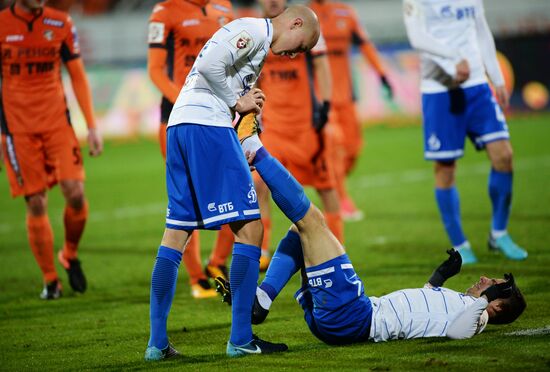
column 530, row 332
column 426, row 174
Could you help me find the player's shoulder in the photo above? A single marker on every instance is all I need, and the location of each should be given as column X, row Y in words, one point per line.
column 255, row 26
column 57, row 18
column 223, row 6
column 342, row 9
column 163, row 10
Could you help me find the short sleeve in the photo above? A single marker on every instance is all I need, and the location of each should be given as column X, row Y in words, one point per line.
column 70, row 47
column 159, row 27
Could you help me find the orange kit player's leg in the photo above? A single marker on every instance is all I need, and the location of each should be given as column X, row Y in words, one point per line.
column 348, row 142
column 223, row 246
column 27, row 175
column 200, row 287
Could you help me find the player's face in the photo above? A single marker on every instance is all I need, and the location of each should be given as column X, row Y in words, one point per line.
column 32, row 4
column 272, row 8
column 483, row 283
column 293, row 41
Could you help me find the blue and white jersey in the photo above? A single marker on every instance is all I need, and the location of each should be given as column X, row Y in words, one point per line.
column 445, row 32
column 426, row 312
column 227, row 67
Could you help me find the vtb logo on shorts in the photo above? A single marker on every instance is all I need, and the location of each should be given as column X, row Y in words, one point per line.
column 318, row 282
column 220, row 208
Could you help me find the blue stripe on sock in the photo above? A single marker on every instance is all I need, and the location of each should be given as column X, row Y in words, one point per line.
column 500, row 192
column 448, row 202
column 243, row 280
column 163, row 287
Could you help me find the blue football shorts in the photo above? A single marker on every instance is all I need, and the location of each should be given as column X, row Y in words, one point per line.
column 207, row 178
column 334, row 303
column 449, row 117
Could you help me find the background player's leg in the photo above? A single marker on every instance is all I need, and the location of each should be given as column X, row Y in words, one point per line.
column 40, row 235
column 74, row 219
column 216, row 265
column 163, row 287
column 263, row 200
column 500, row 192
column 244, row 278
column 200, row 287
column 331, row 210
column 448, row 202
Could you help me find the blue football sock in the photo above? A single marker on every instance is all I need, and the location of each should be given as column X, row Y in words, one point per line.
column 243, row 280
column 449, row 208
column 286, row 192
column 286, row 261
column 500, row 191
column 163, row 287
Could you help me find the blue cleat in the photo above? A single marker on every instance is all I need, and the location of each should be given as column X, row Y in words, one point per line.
column 256, row 346
column 506, row 245
column 154, row 353
column 468, row 256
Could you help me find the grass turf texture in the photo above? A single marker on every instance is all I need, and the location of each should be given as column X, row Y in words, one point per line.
column 397, row 246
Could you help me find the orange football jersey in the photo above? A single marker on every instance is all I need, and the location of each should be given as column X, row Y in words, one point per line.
column 32, row 47
column 288, row 86
column 182, row 27
column 341, row 30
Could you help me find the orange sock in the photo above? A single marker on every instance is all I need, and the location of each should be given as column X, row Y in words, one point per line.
column 192, row 259
column 266, row 221
column 223, row 246
column 40, row 234
column 335, row 224
column 74, row 220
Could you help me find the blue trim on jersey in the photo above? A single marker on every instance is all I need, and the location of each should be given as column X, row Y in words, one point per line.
column 407, row 298
column 425, row 300
column 267, row 25
column 445, row 302
column 207, row 178
column 396, row 315
column 444, row 328
column 226, row 29
column 426, row 330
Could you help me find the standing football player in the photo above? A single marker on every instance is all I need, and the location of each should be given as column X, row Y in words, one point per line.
column 40, row 145
column 178, row 30
column 207, row 174
column 342, row 29
column 457, row 51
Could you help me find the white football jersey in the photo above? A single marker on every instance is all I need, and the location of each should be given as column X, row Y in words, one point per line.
column 227, row 67
column 446, row 32
column 426, row 312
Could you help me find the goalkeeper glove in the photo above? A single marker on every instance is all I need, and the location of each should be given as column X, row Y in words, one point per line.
column 447, row 269
column 320, row 116
column 500, row 290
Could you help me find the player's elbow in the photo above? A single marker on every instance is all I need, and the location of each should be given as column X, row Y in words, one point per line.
column 455, row 334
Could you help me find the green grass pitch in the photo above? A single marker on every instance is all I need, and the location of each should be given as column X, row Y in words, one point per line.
column 396, row 246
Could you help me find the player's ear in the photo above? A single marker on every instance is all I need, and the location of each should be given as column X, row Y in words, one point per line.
column 297, row 23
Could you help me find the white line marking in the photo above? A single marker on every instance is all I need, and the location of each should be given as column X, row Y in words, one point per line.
column 530, row 332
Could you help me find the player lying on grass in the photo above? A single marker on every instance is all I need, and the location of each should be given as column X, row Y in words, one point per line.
column 335, row 306
column 338, row 312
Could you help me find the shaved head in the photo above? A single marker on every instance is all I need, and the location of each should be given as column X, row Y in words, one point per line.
column 296, row 30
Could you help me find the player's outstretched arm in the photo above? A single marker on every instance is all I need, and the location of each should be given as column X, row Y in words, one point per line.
column 83, row 94
column 156, row 67
column 448, row 268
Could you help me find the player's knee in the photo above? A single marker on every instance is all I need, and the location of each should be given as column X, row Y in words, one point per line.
column 74, row 194
column 444, row 174
column 312, row 220
column 37, row 204
column 502, row 161
column 249, row 232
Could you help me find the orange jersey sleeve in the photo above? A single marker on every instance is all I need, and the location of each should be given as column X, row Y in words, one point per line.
column 32, row 48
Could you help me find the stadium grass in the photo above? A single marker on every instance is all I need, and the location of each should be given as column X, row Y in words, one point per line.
column 396, row 246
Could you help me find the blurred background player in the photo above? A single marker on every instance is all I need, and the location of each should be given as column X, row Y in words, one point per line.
column 293, row 126
column 342, row 29
column 178, row 29
column 457, row 49
column 40, row 146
